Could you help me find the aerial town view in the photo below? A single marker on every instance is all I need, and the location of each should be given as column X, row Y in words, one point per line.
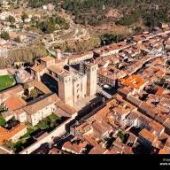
column 84, row 77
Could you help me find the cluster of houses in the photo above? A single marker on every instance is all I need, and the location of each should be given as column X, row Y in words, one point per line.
column 32, row 112
column 136, row 117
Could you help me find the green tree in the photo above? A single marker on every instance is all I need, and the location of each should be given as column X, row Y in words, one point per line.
column 110, row 38
column 11, row 19
column 33, row 93
column 123, row 136
column 5, row 35
column 2, row 121
column 37, row 3
column 44, row 124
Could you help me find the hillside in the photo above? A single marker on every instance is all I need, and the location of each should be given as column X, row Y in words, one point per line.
column 80, row 25
column 93, row 12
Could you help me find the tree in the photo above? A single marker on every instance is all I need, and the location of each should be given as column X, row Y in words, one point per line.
column 5, row 35
column 24, row 16
column 11, row 19
column 129, row 19
column 43, row 124
column 110, row 38
column 48, row 25
column 37, row 3
column 2, row 121
column 123, row 136
column 53, row 118
column 33, row 93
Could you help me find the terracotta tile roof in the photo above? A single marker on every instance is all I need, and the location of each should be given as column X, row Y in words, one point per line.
column 90, row 139
column 39, row 85
column 19, row 111
column 10, row 92
column 98, row 128
column 127, row 150
column 14, row 103
column 59, row 71
column 54, row 151
column 118, row 143
column 114, row 150
column 109, row 152
column 167, row 123
column 38, row 68
column 165, row 150
column 6, row 135
column 156, row 126
column 148, row 109
column 144, row 133
column 133, row 81
column 97, row 150
column 74, row 146
column 34, row 107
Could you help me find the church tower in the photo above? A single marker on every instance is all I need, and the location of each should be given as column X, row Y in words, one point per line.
column 91, row 71
column 65, row 85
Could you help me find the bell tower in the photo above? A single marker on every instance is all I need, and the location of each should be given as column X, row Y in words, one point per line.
column 91, row 71
column 65, row 85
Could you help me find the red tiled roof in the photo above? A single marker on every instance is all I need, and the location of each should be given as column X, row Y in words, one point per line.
column 147, row 135
column 6, row 135
column 133, row 81
column 14, row 103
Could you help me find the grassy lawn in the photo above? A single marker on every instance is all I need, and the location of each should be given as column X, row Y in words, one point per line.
column 6, row 81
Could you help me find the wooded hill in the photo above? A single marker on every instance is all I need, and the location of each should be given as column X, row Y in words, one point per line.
column 92, row 12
